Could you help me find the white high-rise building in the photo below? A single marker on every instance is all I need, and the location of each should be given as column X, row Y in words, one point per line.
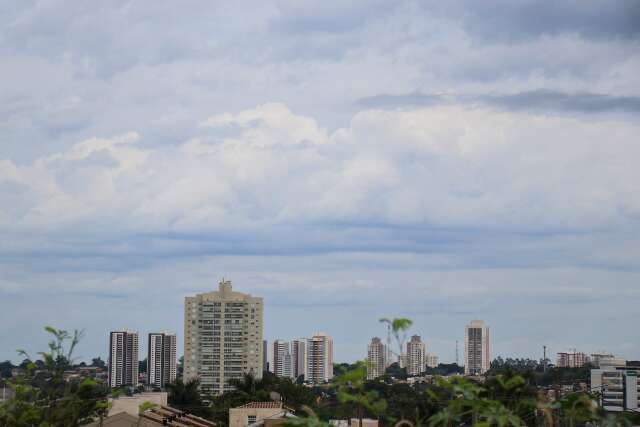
column 123, row 358
column 477, row 356
column 431, row 360
column 282, row 359
column 222, row 337
column 376, row 358
column 319, row 358
column 415, row 356
column 299, row 357
column 161, row 359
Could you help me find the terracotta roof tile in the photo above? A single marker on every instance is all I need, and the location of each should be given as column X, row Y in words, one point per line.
column 262, row 405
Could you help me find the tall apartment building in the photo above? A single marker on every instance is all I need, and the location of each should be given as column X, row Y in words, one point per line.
column 161, row 359
column 282, row 366
column 571, row 359
column 431, row 360
column 618, row 387
column 376, row 358
column 299, row 357
column 415, row 356
column 222, row 337
column 477, row 354
column 319, row 358
column 123, row 358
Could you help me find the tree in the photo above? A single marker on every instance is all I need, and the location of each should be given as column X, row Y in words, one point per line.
column 43, row 397
column 97, row 362
column 184, row 395
column 351, row 390
column 5, row 369
column 398, row 327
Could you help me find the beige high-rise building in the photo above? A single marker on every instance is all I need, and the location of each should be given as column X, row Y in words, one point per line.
column 476, row 348
column 415, row 356
column 319, row 358
column 222, row 337
column 376, row 358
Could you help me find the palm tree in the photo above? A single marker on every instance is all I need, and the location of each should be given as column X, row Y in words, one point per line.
column 398, row 328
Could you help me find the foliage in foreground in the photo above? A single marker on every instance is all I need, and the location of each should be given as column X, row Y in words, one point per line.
column 44, row 399
column 508, row 399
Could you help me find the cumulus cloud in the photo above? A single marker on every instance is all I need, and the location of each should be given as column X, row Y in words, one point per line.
column 448, row 166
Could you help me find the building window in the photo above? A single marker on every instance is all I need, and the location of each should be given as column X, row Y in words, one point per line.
column 251, row 419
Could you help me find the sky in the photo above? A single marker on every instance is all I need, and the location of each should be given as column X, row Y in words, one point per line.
column 345, row 160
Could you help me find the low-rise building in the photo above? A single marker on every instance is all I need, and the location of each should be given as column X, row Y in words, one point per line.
column 253, row 412
column 131, row 404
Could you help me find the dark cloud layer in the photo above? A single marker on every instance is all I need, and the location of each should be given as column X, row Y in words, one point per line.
column 513, row 20
column 535, row 100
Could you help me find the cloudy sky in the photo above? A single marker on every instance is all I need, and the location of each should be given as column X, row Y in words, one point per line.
column 346, row 160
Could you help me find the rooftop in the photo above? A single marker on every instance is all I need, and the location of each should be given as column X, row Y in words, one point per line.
column 262, row 405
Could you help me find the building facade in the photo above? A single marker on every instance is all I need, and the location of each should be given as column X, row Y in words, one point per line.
column 161, row 359
column 477, row 354
column 299, row 357
column 123, row 358
column 319, row 358
column 618, row 386
column 416, row 350
column 222, row 337
column 376, row 358
column 571, row 359
column 254, row 412
column 282, row 366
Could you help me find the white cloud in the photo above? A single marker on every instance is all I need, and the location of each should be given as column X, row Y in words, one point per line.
column 448, row 166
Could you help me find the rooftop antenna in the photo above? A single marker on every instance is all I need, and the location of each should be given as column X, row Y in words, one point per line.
column 544, row 360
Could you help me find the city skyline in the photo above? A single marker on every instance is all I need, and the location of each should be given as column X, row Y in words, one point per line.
column 440, row 161
column 551, row 354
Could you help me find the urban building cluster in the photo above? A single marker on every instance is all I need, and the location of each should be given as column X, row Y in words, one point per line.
column 577, row 359
column 123, row 359
column 223, row 339
column 417, row 360
column 311, row 358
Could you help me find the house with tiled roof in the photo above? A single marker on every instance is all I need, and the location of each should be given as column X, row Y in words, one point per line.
column 154, row 417
column 256, row 414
